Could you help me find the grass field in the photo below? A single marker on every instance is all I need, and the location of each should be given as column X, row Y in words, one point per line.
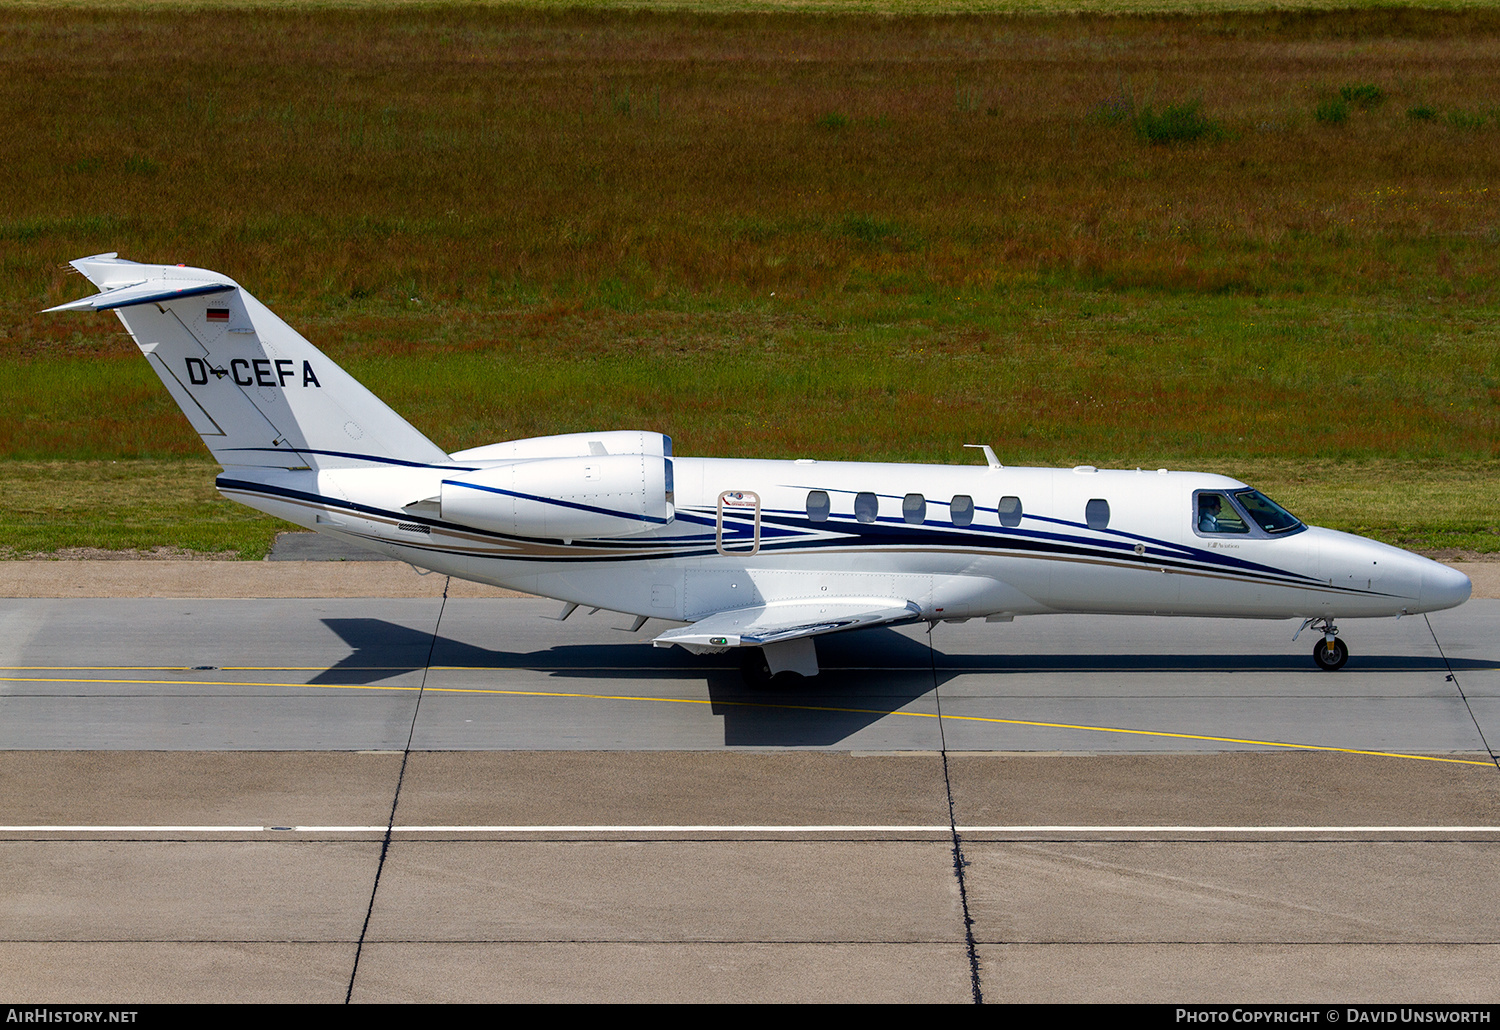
column 898, row 8
column 126, row 505
column 1260, row 242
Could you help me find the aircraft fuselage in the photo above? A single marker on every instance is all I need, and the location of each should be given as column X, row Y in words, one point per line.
column 744, row 534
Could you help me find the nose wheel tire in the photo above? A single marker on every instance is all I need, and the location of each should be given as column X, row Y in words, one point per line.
column 1330, row 656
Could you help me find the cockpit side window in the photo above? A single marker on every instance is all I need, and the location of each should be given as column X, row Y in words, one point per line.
column 1216, row 514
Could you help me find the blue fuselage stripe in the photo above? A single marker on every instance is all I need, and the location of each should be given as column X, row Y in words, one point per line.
column 575, row 505
column 839, row 537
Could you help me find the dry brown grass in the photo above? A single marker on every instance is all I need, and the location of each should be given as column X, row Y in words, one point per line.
column 905, row 8
column 454, row 153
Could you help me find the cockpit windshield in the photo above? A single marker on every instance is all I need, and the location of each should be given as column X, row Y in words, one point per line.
column 1266, row 513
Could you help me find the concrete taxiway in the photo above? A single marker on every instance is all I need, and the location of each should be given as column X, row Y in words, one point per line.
column 459, row 799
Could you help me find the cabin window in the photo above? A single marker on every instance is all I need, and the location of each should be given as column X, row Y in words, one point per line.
column 914, row 509
column 1216, row 515
column 866, row 506
column 961, row 510
column 818, row 506
column 1096, row 513
column 1010, row 511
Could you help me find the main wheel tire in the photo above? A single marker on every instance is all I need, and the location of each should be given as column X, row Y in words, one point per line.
column 756, row 672
column 1330, row 657
column 754, row 669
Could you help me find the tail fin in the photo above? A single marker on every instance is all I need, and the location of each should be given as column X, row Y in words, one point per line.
column 252, row 387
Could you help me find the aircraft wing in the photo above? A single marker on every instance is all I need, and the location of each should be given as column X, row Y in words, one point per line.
column 788, row 620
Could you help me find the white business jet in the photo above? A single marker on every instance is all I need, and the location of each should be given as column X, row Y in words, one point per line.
column 762, row 556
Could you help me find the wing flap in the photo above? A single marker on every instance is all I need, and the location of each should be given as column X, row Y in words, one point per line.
column 789, row 620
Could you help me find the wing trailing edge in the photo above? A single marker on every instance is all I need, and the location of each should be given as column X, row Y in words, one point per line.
column 789, row 620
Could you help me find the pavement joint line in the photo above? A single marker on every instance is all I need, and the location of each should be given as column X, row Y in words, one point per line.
column 420, row 688
column 976, row 986
column 1463, row 696
column 390, row 822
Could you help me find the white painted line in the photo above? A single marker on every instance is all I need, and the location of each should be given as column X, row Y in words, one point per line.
column 909, row 829
column 641, row 829
column 1229, row 829
column 705, row 828
column 131, row 829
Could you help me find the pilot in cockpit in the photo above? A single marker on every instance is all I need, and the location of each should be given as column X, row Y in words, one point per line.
column 1208, row 513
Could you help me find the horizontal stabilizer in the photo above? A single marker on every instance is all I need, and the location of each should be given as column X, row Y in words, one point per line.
column 151, row 292
column 770, row 623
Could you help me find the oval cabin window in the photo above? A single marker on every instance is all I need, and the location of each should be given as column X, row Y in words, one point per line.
column 961, row 510
column 914, row 509
column 818, row 506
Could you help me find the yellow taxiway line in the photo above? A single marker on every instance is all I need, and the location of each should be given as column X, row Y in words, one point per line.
column 569, row 695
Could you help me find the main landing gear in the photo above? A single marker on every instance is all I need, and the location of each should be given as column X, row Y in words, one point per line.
column 756, row 672
column 1330, row 653
column 781, row 663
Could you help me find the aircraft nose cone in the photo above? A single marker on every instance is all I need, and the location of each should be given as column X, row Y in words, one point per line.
column 1443, row 587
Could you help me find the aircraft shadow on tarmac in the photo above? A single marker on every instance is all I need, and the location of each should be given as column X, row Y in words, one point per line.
column 866, row 675
column 893, row 671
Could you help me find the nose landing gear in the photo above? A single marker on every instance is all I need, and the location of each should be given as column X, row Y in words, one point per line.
column 1330, row 653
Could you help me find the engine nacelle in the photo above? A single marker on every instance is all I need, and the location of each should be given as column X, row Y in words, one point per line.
column 602, row 495
column 570, row 445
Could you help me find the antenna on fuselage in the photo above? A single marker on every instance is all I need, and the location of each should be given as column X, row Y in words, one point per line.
column 989, row 454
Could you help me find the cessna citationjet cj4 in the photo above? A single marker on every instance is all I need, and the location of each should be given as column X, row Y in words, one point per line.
column 758, row 555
